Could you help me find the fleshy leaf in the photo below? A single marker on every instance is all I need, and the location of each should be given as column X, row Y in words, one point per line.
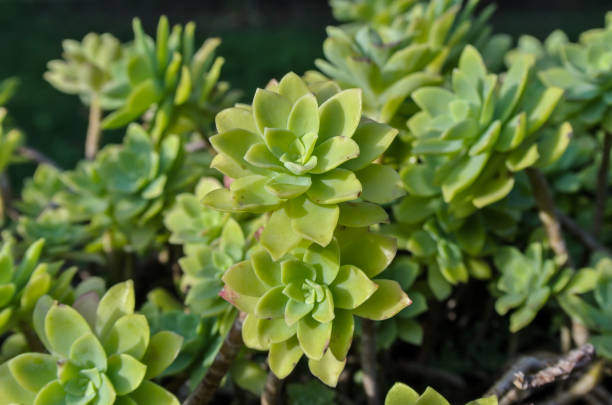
column 387, row 301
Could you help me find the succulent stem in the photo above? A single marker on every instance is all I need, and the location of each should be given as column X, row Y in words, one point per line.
column 32, row 339
column 368, row 362
column 544, row 200
column 272, row 390
column 37, row 156
column 205, row 390
column 92, row 141
column 602, row 186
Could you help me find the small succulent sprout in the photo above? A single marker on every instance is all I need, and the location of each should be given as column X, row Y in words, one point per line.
column 401, row 394
column 180, row 82
column 138, row 179
column 305, row 303
column 587, row 300
column 8, row 88
column 300, row 158
column 527, row 282
column 189, row 221
column 585, row 73
column 165, row 313
column 10, row 140
column 485, row 131
column 102, row 360
column 23, row 283
column 90, row 69
column 403, row 326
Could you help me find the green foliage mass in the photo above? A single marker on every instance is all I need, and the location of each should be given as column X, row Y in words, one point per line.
column 425, row 172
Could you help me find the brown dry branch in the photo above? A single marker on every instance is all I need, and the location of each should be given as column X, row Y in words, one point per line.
column 92, row 142
column 587, row 383
column 587, row 239
column 205, row 390
column 368, row 362
column 531, row 373
column 36, row 156
column 272, row 390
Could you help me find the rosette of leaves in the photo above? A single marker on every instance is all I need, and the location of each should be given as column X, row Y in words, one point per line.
column 547, row 53
column 483, row 131
column 23, row 282
column 587, row 299
column 299, row 156
column 192, row 223
column 305, row 303
column 586, row 76
column 140, row 180
column 404, row 326
column 174, row 79
column 401, row 394
column 526, row 283
column 91, row 69
column 101, row 357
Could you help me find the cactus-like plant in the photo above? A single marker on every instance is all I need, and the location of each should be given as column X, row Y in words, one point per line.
column 299, row 156
column 103, row 356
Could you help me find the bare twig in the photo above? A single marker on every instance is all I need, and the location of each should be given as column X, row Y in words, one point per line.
column 601, row 193
column 92, row 142
column 209, row 384
column 505, row 383
column 548, row 215
column 6, row 198
column 443, row 376
column 521, row 380
column 368, row 362
column 559, row 370
column 272, row 390
column 585, row 237
column 36, row 156
column 580, row 388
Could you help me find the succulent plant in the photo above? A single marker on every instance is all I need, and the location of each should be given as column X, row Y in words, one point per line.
column 586, row 76
column 299, row 158
column 9, row 142
column 90, row 69
column 546, row 53
column 139, row 180
column 305, row 304
column 179, row 82
column 389, row 61
column 7, row 89
column 104, row 356
column 23, row 283
column 401, row 394
column 586, row 299
column 403, row 326
column 527, row 282
column 481, row 132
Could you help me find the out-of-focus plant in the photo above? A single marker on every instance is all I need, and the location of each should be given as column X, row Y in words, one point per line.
column 177, row 82
column 102, row 356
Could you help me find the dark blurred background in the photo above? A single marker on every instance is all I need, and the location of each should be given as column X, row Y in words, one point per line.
column 261, row 39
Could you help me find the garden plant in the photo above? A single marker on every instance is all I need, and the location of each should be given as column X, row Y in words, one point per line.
column 422, row 218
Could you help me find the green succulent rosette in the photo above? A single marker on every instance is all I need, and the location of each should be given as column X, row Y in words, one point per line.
column 305, row 303
column 10, row 140
column 91, row 69
column 547, row 53
column 587, row 300
column 177, row 82
column 401, row 394
column 585, row 74
column 527, row 283
column 23, row 283
column 471, row 140
column 299, row 156
column 103, row 356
